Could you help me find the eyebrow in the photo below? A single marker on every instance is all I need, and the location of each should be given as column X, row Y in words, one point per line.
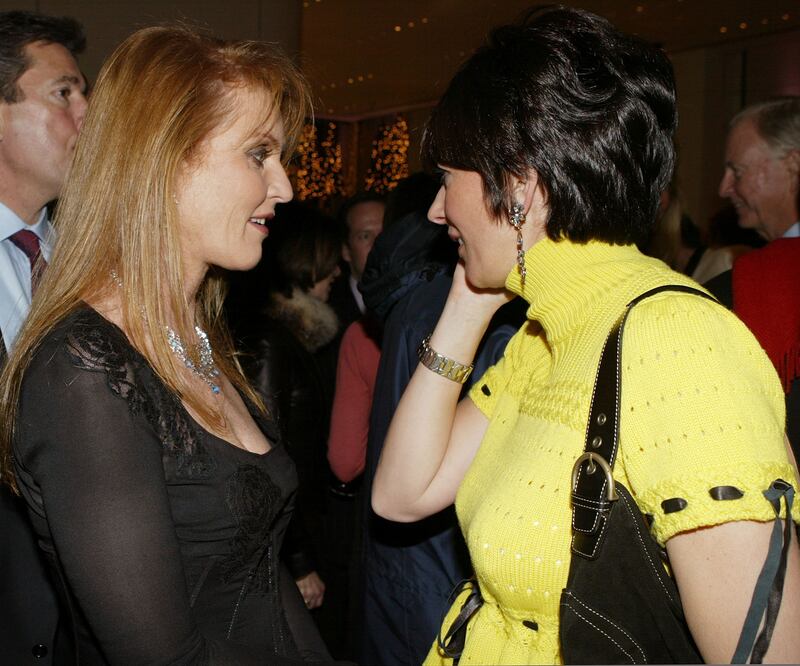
column 74, row 80
column 270, row 141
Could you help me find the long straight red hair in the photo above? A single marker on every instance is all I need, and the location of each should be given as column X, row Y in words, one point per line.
column 159, row 95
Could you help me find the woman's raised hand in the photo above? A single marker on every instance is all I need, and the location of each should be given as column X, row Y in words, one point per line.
column 484, row 302
column 431, row 442
column 467, row 313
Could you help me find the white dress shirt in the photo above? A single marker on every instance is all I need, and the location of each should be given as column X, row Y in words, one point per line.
column 357, row 295
column 793, row 231
column 15, row 270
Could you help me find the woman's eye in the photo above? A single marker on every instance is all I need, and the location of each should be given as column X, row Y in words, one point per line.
column 259, row 155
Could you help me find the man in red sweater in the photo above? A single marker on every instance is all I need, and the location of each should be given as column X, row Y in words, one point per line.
column 762, row 181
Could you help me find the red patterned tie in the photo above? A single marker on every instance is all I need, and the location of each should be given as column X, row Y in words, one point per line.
column 28, row 242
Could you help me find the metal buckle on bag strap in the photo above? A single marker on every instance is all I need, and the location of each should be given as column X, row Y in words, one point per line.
column 593, row 495
column 596, row 461
column 601, row 438
column 596, row 507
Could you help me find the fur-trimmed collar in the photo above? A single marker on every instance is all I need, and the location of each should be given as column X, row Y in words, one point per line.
column 311, row 321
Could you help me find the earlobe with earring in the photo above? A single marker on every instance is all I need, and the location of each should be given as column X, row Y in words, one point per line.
column 516, row 217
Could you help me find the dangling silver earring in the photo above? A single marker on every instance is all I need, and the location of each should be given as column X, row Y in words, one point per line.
column 517, row 219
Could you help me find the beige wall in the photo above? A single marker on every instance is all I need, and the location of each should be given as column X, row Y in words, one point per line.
column 108, row 22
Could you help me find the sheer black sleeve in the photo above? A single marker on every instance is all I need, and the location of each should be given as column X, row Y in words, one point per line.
column 90, row 465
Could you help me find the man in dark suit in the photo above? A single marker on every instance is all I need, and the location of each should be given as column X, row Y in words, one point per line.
column 762, row 181
column 361, row 220
column 42, row 104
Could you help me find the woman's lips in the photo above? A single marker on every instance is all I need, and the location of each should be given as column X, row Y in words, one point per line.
column 259, row 223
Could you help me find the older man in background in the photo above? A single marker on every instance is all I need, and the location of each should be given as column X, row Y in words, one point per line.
column 42, row 104
column 762, row 181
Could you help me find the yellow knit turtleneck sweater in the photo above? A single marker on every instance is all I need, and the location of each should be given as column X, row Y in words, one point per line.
column 701, row 407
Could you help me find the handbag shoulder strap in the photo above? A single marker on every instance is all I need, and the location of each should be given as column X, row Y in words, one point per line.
column 592, row 493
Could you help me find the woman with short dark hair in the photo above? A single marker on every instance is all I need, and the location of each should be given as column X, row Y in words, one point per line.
column 554, row 142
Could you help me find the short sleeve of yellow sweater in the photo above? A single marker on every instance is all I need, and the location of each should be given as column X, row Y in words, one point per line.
column 488, row 389
column 701, row 408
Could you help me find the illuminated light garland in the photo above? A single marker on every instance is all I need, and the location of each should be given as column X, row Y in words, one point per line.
column 316, row 170
column 389, row 157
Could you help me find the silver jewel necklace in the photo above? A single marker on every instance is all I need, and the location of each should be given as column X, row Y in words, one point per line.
column 207, row 370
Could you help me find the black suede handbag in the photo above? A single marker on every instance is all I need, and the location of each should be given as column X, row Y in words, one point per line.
column 620, row 606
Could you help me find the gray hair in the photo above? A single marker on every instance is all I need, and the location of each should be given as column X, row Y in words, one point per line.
column 777, row 121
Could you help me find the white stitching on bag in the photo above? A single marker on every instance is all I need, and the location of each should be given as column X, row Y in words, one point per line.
column 641, row 540
column 594, row 626
column 610, row 621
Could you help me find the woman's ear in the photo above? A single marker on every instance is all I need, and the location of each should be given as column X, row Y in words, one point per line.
column 532, row 196
column 528, row 192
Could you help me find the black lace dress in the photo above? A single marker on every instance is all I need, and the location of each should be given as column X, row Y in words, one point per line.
column 163, row 538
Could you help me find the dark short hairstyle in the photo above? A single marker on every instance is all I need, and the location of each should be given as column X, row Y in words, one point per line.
column 589, row 109
column 17, row 30
column 352, row 202
column 304, row 249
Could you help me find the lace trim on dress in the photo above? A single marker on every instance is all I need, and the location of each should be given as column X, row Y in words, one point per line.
column 255, row 501
column 97, row 347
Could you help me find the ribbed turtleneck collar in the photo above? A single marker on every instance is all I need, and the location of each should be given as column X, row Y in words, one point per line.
column 565, row 280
